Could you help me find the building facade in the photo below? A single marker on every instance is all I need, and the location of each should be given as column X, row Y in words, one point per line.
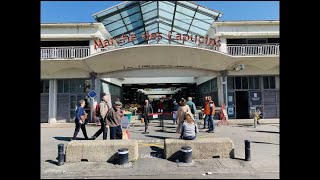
column 141, row 49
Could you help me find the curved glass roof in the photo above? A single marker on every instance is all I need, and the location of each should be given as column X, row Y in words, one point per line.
column 183, row 17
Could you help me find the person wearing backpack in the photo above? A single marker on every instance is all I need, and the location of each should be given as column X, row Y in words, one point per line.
column 101, row 112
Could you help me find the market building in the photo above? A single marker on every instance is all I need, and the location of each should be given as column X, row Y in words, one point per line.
column 160, row 50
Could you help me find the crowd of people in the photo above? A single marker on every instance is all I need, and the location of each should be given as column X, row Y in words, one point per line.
column 183, row 114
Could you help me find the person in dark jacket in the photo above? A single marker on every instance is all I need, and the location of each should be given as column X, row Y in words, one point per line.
column 114, row 117
column 80, row 120
column 175, row 107
column 147, row 109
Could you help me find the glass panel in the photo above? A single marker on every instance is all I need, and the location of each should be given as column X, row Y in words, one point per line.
column 208, row 11
column 167, row 7
column 148, row 7
column 153, row 30
column 189, row 43
column 128, row 44
column 272, row 82
column 165, row 15
column 66, row 85
column 230, row 83
column 183, row 18
column 201, row 24
column 204, row 18
column 114, row 25
column 185, row 11
column 151, row 27
column 113, row 18
column 266, row 82
column 251, row 83
column 118, row 31
column 150, row 15
column 165, row 27
column 198, row 31
column 60, row 86
column 179, row 31
column 130, row 11
column 181, row 25
column 238, row 82
column 72, row 114
column 87, row 86
column 46, row 86
column 135, row 25
column 130, row 19
column 244, row 82
column 166, row 21
column 257, row 82
column 73, row 101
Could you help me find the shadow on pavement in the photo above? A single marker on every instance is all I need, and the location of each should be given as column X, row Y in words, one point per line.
column 159, row 137
column 64, row 138
column 158, row 152
column 265, row 131
column 52, row 162
column 165, row 131
column 263, row 142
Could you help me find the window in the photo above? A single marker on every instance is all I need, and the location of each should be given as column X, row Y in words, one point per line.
column 244, row 82
column 230, row 82
column 73, row 86
column 238, row 82
column 256, row 82
column 269, row 82
column 251, row 83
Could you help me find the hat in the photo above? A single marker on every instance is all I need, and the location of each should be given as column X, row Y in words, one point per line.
column 117, row 103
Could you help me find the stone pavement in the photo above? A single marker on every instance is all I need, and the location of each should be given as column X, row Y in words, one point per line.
column 264, row 155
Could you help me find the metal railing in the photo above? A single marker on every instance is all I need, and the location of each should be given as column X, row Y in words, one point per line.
column 64, row 52
column 253, row 49
column 233, row 50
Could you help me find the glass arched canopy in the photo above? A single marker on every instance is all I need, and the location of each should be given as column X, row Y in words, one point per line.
column 138, row 17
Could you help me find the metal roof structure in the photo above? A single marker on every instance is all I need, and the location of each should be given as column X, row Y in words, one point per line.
column 138, row 17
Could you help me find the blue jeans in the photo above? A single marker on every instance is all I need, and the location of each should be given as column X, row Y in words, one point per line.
column 116, row 132
column 189, row 137
column 210, row 120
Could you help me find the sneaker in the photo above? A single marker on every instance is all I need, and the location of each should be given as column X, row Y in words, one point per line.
column 93, row 138
column 210, row 131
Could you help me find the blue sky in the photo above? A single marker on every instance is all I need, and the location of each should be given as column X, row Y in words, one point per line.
column 81, row 11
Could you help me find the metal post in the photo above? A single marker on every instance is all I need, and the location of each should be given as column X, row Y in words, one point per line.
column 123, row 154
column 60, row 154
column 186, row 154
column 93, row 78
column 247, row 150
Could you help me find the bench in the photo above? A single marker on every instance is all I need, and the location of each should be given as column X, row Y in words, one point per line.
column 205, row 148
column 100, row 150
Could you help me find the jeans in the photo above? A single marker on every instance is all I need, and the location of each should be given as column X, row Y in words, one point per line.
column 210, row 122
column 189, row 137
column 116, row 132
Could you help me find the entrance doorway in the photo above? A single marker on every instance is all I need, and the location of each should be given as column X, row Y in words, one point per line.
column 242, row 104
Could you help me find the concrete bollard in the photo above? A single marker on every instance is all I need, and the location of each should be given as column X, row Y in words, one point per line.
column 123, row 156
column 60, row 154
column 186, row 154
column 247, row 150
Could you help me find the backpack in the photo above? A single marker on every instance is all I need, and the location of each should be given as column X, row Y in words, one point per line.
column 97, row 110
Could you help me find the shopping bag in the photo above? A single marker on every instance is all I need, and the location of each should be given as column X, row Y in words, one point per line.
column 125, row 135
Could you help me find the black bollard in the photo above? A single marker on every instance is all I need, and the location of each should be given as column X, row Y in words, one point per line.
column 60, row 154
column 186, row 154
column 123, row 154
column 247, row 150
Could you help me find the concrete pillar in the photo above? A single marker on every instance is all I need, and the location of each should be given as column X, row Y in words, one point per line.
column 220, row 90
column 223, row 47
column 53, row 90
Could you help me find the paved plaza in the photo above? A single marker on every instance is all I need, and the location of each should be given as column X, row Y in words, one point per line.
column 264, row 154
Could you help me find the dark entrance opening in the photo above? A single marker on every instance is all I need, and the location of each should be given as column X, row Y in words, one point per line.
column 242, row 104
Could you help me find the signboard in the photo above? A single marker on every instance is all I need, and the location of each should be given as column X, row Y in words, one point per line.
column 92, row 94
column 230, row 111
column 255, row 98
column 172, row 35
